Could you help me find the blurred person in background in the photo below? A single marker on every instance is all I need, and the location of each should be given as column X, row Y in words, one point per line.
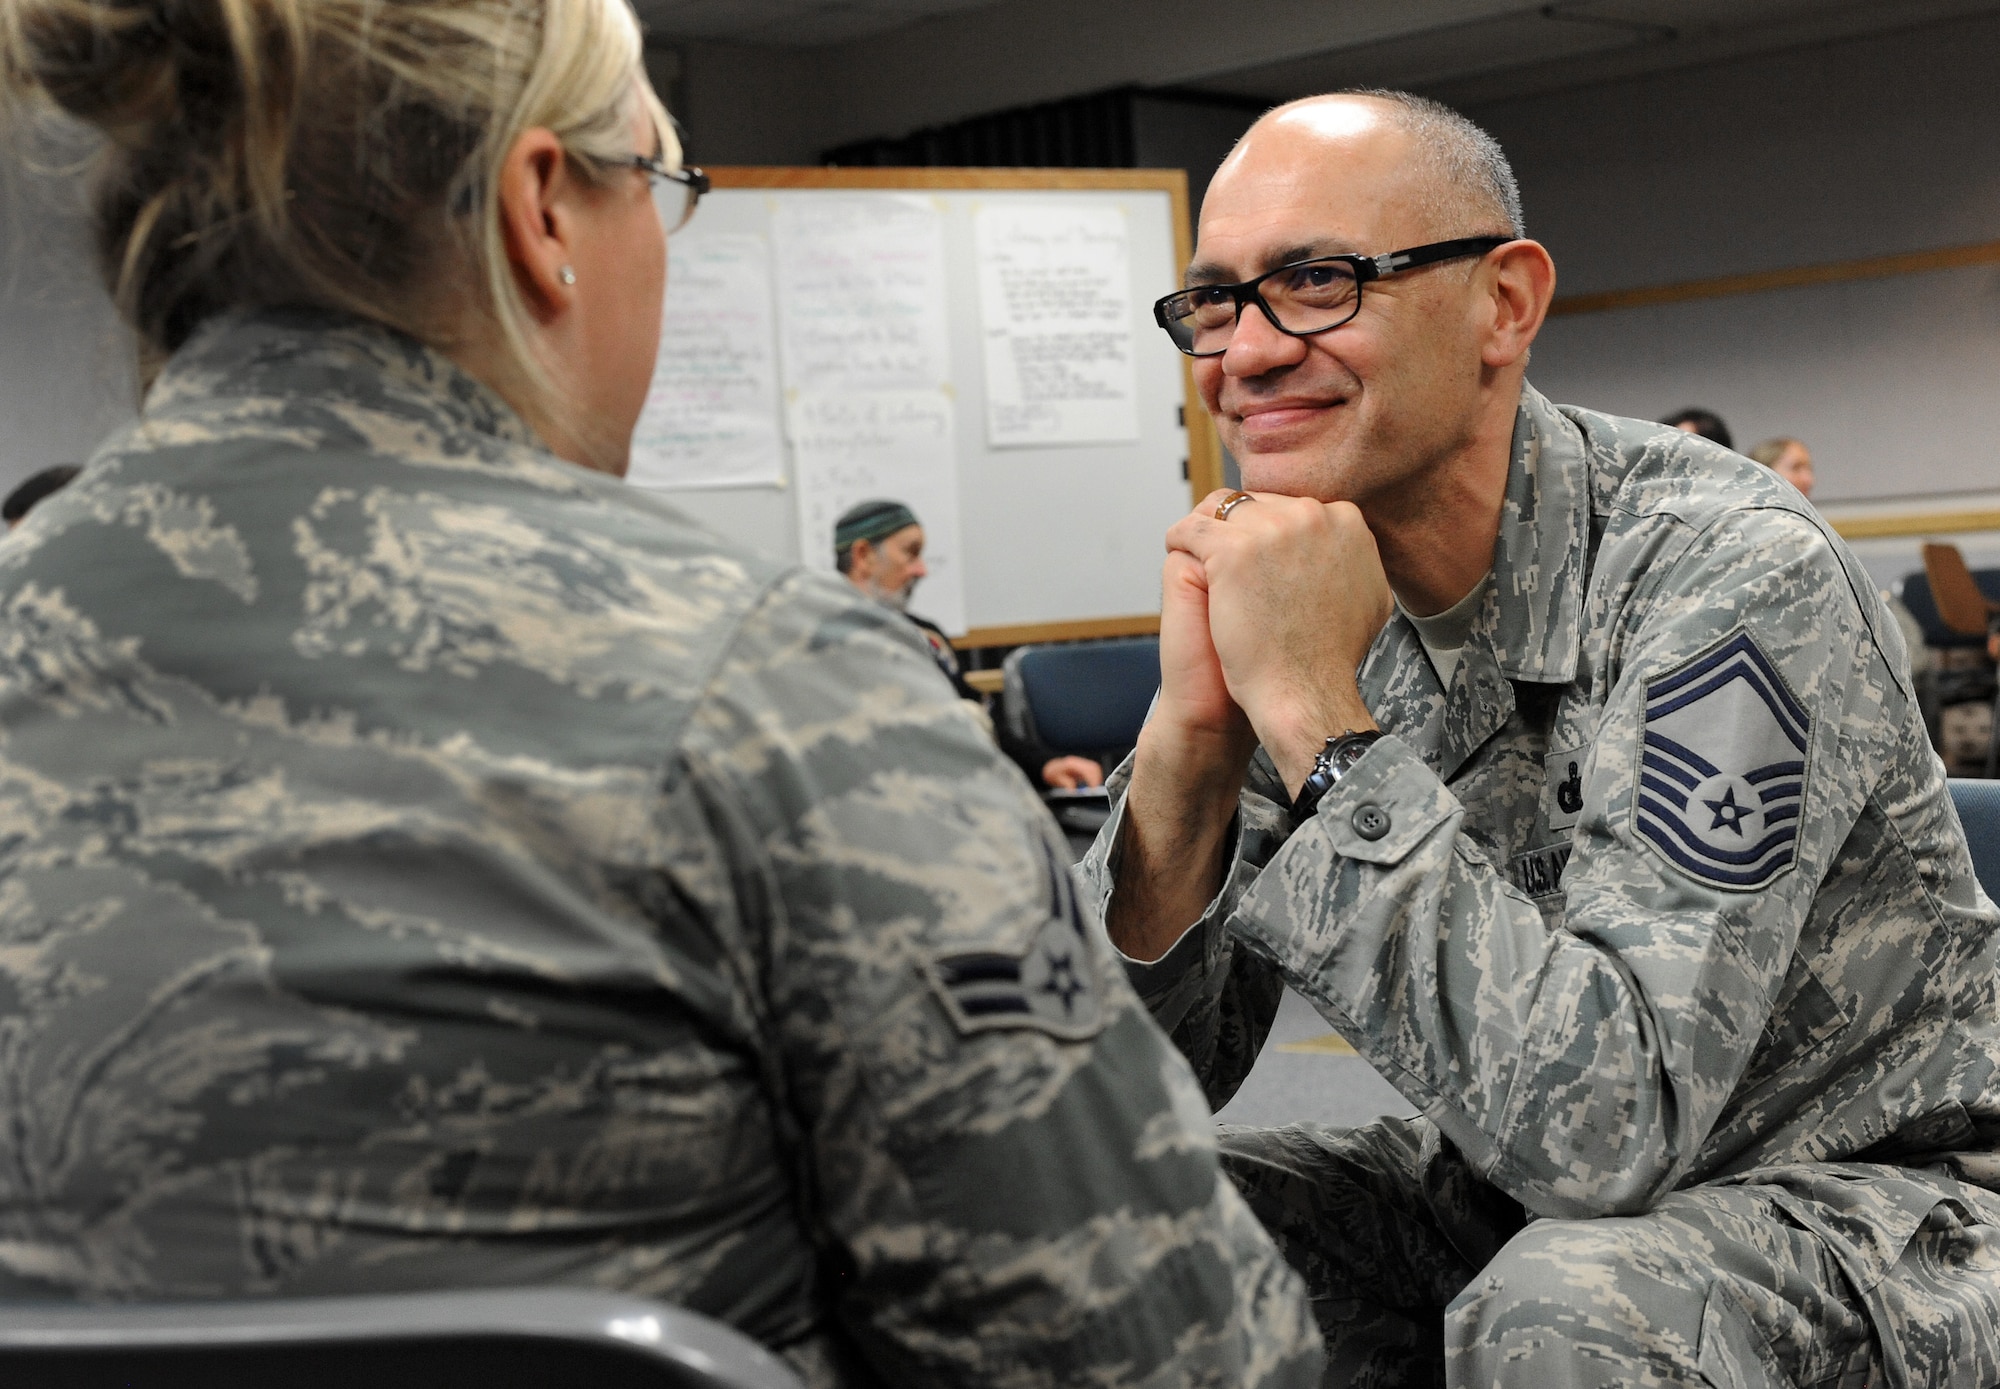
column 879, row 546
column 1706, row 423
column 1789, row 459
column 431, row 863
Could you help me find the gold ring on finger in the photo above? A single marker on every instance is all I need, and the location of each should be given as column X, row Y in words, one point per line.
column 1230, row 503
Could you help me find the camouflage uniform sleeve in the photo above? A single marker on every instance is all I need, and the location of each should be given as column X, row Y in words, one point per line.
column 1580, row 1068
column 1010, row 1172
column 1215, row 1000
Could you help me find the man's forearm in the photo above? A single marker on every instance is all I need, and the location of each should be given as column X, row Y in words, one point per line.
column 1174, row 844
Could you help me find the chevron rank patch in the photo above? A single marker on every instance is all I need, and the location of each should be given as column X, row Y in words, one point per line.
column 1723, row 773
column 1052, row 988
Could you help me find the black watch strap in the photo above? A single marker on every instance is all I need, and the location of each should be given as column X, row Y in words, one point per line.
column 1335, row 760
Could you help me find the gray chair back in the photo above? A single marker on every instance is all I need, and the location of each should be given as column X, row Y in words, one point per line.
column 492, row 1339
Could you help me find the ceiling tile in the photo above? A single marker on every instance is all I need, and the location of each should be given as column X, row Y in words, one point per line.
column 1420, row 60
column 810, row 26
column 790, row 23
column 922, row 9
column 708, row 19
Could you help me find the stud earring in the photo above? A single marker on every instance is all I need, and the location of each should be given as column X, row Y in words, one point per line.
column 566, row 275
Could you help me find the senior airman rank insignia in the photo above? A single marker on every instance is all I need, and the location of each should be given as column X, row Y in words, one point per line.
column 1723, row 771
column 1052, row 988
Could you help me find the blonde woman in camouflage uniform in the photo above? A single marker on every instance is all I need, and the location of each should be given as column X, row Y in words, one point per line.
column 1623, row 856
column 428, row 862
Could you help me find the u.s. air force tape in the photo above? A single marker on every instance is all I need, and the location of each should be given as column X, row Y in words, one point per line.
column 1052, row 987
column 1722, row 777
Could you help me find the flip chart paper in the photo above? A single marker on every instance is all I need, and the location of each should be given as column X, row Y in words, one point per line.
column 850, row 447
column 711, row 417
column 1055, row 290
column 861, row 293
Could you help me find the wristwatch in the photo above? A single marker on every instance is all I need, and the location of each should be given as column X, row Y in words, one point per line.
column 1335, row 760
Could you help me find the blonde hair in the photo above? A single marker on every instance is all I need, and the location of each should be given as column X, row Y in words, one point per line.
column 341, row 153
column 1771, row 450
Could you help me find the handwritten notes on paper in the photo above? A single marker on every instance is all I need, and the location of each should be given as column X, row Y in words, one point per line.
column 711, row 416
column 1055, row 290
column 861, row 293
column 855, row 446
column 845, row 343
column 862, row 315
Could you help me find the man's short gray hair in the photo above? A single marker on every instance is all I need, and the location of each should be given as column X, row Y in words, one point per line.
column 1463, row 164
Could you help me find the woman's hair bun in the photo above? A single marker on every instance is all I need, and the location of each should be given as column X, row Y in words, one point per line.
column 195, row 101
column 131, row 67
column 339, row 153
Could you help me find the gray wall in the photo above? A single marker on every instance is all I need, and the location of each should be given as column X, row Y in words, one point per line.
column 1022, row 51
column 66, row 370
column 743, row 105
column 1853, row 149
column 1889, row 143
column 1187, row 134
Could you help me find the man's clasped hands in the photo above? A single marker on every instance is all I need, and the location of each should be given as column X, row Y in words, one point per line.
column 1264, row 619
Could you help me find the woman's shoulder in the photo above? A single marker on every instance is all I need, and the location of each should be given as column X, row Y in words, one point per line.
column 420, row 586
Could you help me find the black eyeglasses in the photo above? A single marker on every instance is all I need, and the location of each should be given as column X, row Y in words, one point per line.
column 1300, row 299
column 693, row 184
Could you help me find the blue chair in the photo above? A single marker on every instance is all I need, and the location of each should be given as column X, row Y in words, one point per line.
column 1087, row 698
column 1978, row 804
column 514, row 1338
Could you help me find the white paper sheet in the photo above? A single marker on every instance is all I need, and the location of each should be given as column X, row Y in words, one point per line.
column 1055, row 298
column 711, row 417
column 861, row 293
column 851, row 447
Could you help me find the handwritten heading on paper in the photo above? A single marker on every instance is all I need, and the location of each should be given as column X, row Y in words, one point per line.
column 1055, row 303
column 852, row 447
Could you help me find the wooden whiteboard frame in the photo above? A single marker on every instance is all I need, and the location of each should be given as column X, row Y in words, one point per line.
column 1204, row 464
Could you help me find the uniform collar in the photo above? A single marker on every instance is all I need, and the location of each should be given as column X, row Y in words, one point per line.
column 1540, row 554
column 292, row 352
column 1531, row 627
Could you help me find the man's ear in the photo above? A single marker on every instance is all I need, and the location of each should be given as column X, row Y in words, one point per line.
column 1523, row 285
column 536, row 185
column 861, row 560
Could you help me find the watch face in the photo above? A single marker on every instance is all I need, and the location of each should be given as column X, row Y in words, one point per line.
column 1340, row 758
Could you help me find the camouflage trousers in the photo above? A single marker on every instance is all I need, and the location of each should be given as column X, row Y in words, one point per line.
column 1422, row 1273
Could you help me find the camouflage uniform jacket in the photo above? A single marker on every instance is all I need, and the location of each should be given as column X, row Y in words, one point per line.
column 424, row 862
column 1665, row 888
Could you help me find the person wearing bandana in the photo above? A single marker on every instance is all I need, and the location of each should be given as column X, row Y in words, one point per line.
column 879, row 546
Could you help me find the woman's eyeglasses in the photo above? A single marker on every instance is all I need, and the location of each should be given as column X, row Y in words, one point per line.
column 693, row 184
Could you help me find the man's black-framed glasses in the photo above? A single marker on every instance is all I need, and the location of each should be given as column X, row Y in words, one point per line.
column 1301, row 299
column 693, row 184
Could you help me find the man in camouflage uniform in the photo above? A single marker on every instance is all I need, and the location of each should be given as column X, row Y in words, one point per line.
column 1649, row 896
column 431, row 864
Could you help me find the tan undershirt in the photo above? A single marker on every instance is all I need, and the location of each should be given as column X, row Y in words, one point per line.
column 1445, row 633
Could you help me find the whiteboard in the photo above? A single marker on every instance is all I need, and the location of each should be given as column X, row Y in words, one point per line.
column 1052, row 541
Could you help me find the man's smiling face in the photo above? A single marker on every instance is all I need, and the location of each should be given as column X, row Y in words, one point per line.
column 1361, row 412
